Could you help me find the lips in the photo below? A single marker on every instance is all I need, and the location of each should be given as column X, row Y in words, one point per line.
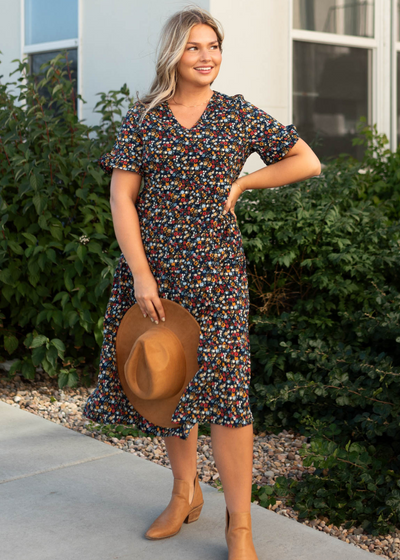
column 204, row 69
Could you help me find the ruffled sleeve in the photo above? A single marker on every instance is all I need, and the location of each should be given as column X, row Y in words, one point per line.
column 265, row 135
column 128, row 147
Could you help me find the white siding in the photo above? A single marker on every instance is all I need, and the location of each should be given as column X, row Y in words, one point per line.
column 10, row 39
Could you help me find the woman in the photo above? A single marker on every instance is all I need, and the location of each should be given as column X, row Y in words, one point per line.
column 180, row 241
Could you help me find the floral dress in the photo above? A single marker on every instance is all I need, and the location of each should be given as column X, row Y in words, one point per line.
column 194, row 252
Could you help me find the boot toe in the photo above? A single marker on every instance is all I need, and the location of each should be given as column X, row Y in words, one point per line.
column 178, row 511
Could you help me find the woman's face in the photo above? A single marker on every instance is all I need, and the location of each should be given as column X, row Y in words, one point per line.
column 201, row 60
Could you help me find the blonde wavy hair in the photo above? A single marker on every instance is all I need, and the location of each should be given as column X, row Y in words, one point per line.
column 171, row 46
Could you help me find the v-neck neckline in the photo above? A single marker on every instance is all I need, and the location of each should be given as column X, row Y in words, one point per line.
column 210, row 102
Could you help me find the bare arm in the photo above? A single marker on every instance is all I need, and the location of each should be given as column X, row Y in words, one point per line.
column 298, row 164
column 124, row 189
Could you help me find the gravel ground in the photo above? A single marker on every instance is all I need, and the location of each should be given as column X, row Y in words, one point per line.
column 274, row 455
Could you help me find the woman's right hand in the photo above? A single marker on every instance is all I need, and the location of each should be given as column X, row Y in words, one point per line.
column 146, row 294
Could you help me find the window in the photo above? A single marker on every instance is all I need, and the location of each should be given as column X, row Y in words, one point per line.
column 47, row 20
column 36, row 61
column 344, row 17
column 332, row 85
column 50, row 28
column 333, row 72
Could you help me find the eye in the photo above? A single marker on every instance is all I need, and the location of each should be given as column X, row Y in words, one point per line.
column 213, row 47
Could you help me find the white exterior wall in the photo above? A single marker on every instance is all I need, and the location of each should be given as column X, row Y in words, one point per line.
column 10, row 39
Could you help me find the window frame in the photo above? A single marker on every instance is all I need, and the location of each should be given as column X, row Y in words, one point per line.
column 38, row 48
column 382, row 80
column 395, row 52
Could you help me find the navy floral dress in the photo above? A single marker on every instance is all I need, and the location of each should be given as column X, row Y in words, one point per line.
column 194, row 251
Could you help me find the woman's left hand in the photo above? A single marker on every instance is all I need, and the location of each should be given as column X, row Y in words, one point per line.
column 233, row 197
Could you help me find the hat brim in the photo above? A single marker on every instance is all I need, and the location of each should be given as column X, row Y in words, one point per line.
column 132, row 326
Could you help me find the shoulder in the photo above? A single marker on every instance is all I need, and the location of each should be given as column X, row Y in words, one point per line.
column 133, row 114
column 132, row 122
column 231, row 101
column 239, row 104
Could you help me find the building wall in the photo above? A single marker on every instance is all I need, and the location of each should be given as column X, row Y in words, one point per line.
column 10, row 38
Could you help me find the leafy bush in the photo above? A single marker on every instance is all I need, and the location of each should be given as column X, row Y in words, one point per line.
column 57, row 246
column 323, row 266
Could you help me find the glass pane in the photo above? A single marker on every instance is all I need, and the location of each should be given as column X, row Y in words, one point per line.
column 344, row 17
column 36, row 60
column 398, row 20
column 330, row 94
column 49, row 20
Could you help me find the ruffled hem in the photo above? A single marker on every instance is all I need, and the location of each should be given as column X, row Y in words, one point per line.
column 108, row 162
column 188, row 420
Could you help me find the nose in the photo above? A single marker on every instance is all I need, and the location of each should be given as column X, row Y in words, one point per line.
column 205, row 54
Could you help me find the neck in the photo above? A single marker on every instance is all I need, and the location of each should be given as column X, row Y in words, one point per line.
column 192, row 95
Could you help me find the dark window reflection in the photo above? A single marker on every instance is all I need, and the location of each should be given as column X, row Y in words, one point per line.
column 398, row 20
column 330, row 94
column 36, row 61
column 344, row 17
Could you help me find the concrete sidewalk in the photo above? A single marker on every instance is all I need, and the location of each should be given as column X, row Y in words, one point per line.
column 64, row 495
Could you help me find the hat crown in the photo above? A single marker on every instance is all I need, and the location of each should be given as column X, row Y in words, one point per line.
column 156, row 366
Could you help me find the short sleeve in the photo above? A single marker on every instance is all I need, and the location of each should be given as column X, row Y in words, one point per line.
column 128, row 147
column 265, row 135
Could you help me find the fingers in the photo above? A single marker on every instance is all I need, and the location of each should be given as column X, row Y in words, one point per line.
column 153, row 309
column 159, row 308
column 229, row 209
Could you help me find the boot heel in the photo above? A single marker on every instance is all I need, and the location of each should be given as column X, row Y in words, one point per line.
column 194, row 514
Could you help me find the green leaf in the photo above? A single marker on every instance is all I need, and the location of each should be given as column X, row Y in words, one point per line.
column 62, row 379
column 28, row 370
column 38, row 354
column 5, row 277
column 58, row 344
column 39, row 341
column 56, row 232
column 15, row 366
column 81, row 252
column 30, row 238
column 52, row 355
column 15, row 247
column 10, row 343
column 72, row 379
column 69, row 284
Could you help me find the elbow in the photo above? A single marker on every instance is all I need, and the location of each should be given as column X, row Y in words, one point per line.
column 315, row 167
column 317, row 170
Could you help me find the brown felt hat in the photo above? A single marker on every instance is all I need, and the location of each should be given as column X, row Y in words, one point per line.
column 156, row 362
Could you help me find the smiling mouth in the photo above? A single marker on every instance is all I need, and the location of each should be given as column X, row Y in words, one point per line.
column 204, row 68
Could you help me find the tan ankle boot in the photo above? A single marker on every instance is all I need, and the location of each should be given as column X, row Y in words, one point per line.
column 178, row 511
column 238, row 536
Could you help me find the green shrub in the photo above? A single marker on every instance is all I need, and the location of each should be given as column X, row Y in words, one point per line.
column 57, row 246
column 323, row 266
